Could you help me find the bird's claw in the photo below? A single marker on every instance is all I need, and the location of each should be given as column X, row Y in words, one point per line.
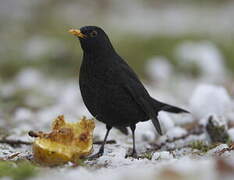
column 133, row 155
column 95, row 156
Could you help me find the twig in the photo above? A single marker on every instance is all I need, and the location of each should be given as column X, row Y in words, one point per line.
column 17, row 143
column 197, row 131
column 107, row 142
column 14, row 143
column 13, row 156
column 230, row 148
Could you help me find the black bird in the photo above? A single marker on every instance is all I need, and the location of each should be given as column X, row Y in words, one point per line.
column 111, row 90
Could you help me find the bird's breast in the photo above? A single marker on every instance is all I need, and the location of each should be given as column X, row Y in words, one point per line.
column 96, row 84
column 105, row 96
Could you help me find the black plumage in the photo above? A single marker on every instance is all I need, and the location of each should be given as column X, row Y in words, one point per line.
column 111, row 90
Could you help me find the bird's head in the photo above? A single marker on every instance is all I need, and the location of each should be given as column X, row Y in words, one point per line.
column 92, row 39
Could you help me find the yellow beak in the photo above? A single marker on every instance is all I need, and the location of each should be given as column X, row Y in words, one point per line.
column 77, row 32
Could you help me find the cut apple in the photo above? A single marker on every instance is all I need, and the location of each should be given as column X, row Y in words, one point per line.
column 67, row 142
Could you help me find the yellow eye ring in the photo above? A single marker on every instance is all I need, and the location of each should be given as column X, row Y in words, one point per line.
column 93, row 34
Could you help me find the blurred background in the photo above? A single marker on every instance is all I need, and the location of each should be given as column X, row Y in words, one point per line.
column 173, row 46
column 34, row 34
column 183, row 50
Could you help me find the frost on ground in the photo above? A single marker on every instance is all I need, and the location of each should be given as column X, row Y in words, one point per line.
column 197, row 145
column 194, row 146
column 184, row 151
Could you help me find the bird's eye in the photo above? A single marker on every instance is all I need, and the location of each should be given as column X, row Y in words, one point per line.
column 93, row 34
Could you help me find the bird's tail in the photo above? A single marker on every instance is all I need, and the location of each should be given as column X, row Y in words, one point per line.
column 159, row 106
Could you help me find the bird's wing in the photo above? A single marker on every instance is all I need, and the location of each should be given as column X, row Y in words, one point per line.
column 144, row 103
column 138, row 92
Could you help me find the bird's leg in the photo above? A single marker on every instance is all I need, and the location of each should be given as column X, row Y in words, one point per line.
column 134, row 153
column 101, row 150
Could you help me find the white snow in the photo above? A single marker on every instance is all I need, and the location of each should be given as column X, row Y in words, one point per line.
column 205, row 55
column 200, row 169
column 62, row 97
column 217, row 149
column 145, row 131
column 231, row 133
column 44, row 98
column 23, row 114
column 165, row 121
column 176, row 132
column 163, row 155
column 216, row 120
column 210, row 99
column 159, row 69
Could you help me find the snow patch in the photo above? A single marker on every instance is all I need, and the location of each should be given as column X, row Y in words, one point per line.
column 159, row 69
column 217, row 149
column 210, row 99
column 23, row 114
column 165, row 121
column 163, row 155
column 205, row 55
column 231, row 134
column 176, row 132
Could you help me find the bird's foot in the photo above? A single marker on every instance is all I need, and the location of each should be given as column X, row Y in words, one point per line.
column 132, row 155
column 95, row 156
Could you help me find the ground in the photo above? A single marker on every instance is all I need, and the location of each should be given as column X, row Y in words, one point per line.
column 185, row 150
column 183, row 53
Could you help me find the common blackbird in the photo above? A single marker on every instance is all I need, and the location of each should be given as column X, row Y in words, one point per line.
column 111, row 90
